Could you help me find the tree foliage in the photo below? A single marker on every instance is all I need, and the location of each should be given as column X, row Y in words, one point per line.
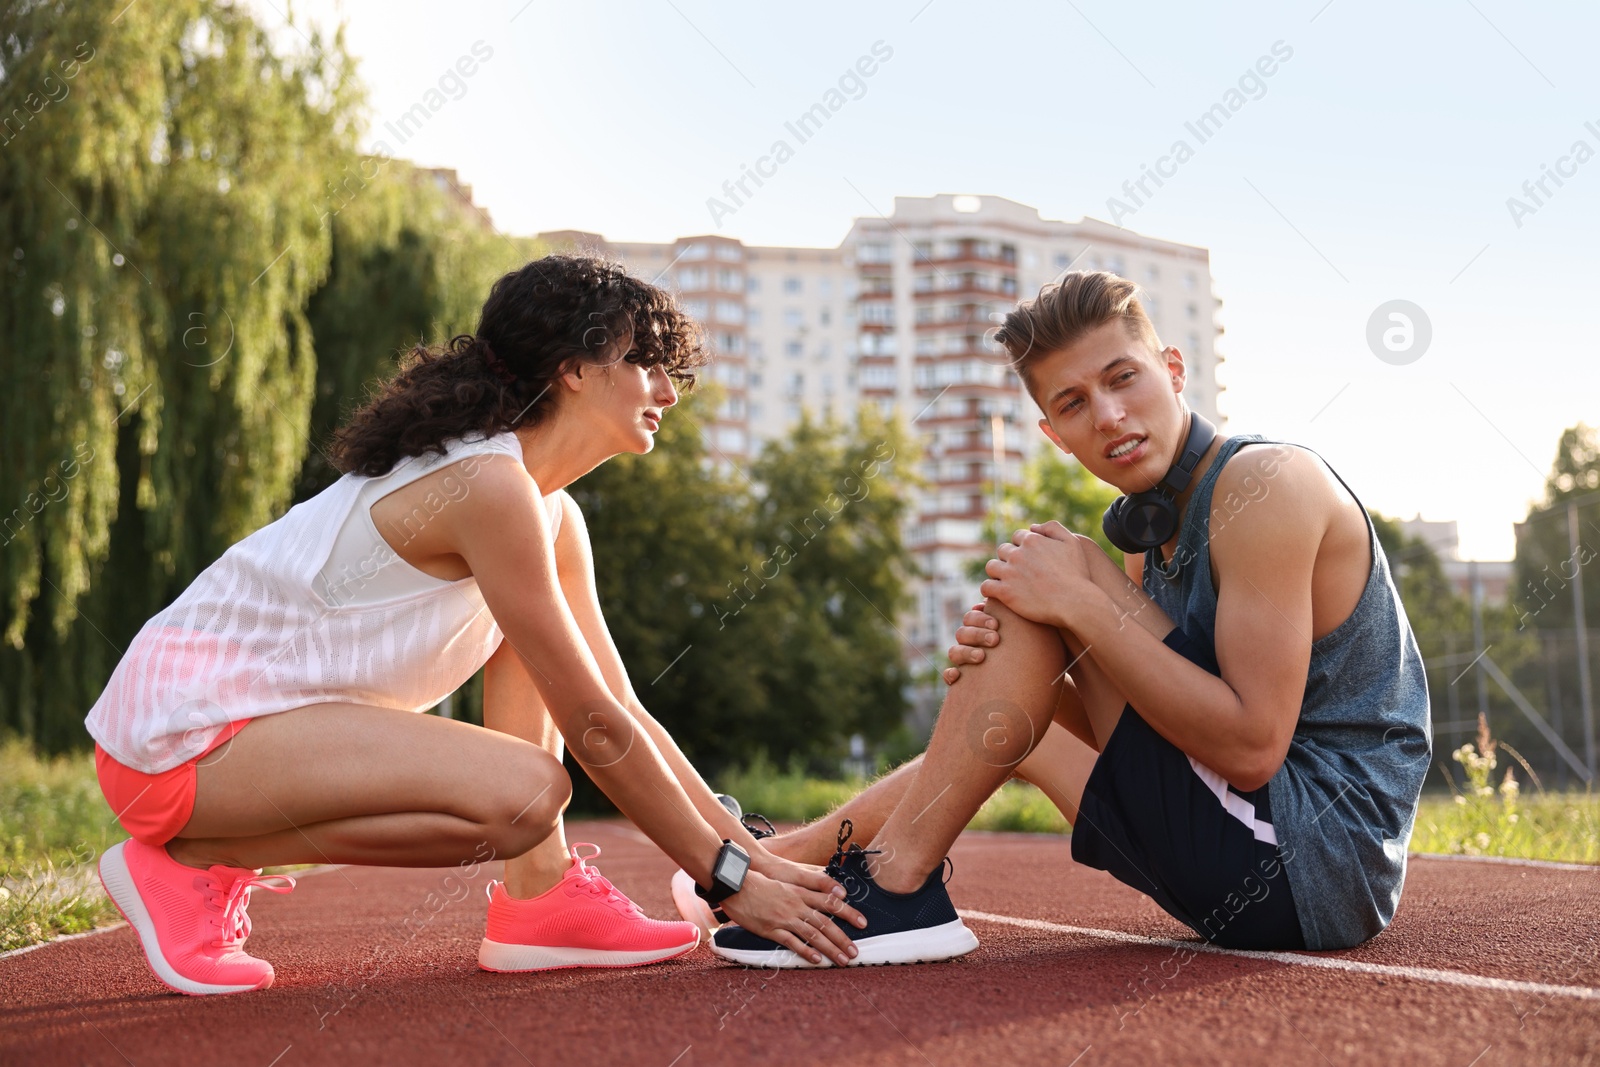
column 1546, row 562
column 1054, row 486
column 410, row 264
column 161, row 207
column 752, row 609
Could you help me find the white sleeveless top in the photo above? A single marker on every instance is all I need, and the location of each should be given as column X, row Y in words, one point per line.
column 313, row 608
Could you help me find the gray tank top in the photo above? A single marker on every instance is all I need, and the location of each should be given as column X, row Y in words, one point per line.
column 1344, row 801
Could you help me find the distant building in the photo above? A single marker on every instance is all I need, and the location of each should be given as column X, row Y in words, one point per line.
column 900, row 315
column 446, row 181
column 1492, row 575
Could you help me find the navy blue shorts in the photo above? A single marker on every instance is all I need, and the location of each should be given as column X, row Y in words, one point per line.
column 1171, row 828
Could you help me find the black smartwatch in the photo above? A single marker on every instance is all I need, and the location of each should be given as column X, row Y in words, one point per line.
column 727, row 874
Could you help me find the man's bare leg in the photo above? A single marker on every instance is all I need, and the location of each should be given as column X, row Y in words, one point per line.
column 989, row 724
column 1059, row 766
column 1087, row 710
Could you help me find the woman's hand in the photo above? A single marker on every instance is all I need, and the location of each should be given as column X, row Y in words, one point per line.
column 1040, row 574
column 795, row 916
column 978, row 630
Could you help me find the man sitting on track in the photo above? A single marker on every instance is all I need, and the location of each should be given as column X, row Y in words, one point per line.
column 1237, row 726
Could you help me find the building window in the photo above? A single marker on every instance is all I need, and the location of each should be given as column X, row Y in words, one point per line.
column 880, row 312
column 697, row 250
column 691, row 278
column 729, row 280
column 825, row 317
column 793, row 349
column 695, row 309
column 752, row 284
column 874, row 252
column 792, row 284
column 825, row 287
column 794, row 318
column 730, row 311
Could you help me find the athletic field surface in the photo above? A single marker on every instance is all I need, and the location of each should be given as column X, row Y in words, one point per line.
column 1486, row 963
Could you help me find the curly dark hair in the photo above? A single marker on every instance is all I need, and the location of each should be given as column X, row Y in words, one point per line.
column 537, row 321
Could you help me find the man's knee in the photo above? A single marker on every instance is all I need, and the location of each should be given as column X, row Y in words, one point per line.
column 1023, row 640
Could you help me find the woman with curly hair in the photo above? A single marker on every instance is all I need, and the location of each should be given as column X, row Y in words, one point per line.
column 263, row 718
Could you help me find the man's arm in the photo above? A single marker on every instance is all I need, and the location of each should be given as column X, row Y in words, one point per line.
column 1239, row 724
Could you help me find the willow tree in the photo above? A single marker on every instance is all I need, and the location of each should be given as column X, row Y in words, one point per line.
column 411, row 263
column 163, row 188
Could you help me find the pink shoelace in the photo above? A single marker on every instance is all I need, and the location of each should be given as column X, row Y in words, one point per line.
column 597, row 883
column 232, row 920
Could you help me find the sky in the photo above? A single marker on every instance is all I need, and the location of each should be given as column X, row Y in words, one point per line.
column 1375, row 164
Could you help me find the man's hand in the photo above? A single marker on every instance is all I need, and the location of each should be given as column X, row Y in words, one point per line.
column 978, row 630
column 798, row 919
column 1040, row 574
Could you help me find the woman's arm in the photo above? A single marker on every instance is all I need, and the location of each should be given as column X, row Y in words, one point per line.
column 502, row 532
column 575, row 568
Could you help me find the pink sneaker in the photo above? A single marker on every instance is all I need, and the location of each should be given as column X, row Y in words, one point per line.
column 191, row 923
column 583, row 921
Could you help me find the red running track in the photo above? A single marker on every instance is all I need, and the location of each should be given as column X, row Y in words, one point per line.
column 1486, row 963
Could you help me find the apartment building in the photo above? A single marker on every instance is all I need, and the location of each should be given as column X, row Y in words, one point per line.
column 901, row 315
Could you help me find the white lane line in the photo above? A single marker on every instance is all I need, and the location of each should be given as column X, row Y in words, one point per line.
column 321, row 868
column 1327, row 963
column 1509, row 861
column 25, row 949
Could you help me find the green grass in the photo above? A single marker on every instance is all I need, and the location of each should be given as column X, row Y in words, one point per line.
column 1482, row 820
column 792, row 796
column 1548, row 826
column 1486, row 818
column 53, row 825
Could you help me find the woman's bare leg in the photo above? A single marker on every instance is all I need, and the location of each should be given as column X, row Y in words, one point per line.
column 512, row 705
column 343, row 783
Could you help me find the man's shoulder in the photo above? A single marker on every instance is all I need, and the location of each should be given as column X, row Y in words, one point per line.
column 1258, row 469
column 1272, row 490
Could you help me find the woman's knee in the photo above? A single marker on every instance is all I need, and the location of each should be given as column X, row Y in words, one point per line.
column 526, row 800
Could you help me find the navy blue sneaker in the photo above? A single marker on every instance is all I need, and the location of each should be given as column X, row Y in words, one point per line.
column 917, row 927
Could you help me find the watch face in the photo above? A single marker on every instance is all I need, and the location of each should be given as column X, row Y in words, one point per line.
column 733, row 867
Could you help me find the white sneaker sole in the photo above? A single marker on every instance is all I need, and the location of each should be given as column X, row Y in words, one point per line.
column 509, row 959
column 117, row 879
column 911, row 946
column 691, row 907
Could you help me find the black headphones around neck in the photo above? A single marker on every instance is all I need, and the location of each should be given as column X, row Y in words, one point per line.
column 1141, row 521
